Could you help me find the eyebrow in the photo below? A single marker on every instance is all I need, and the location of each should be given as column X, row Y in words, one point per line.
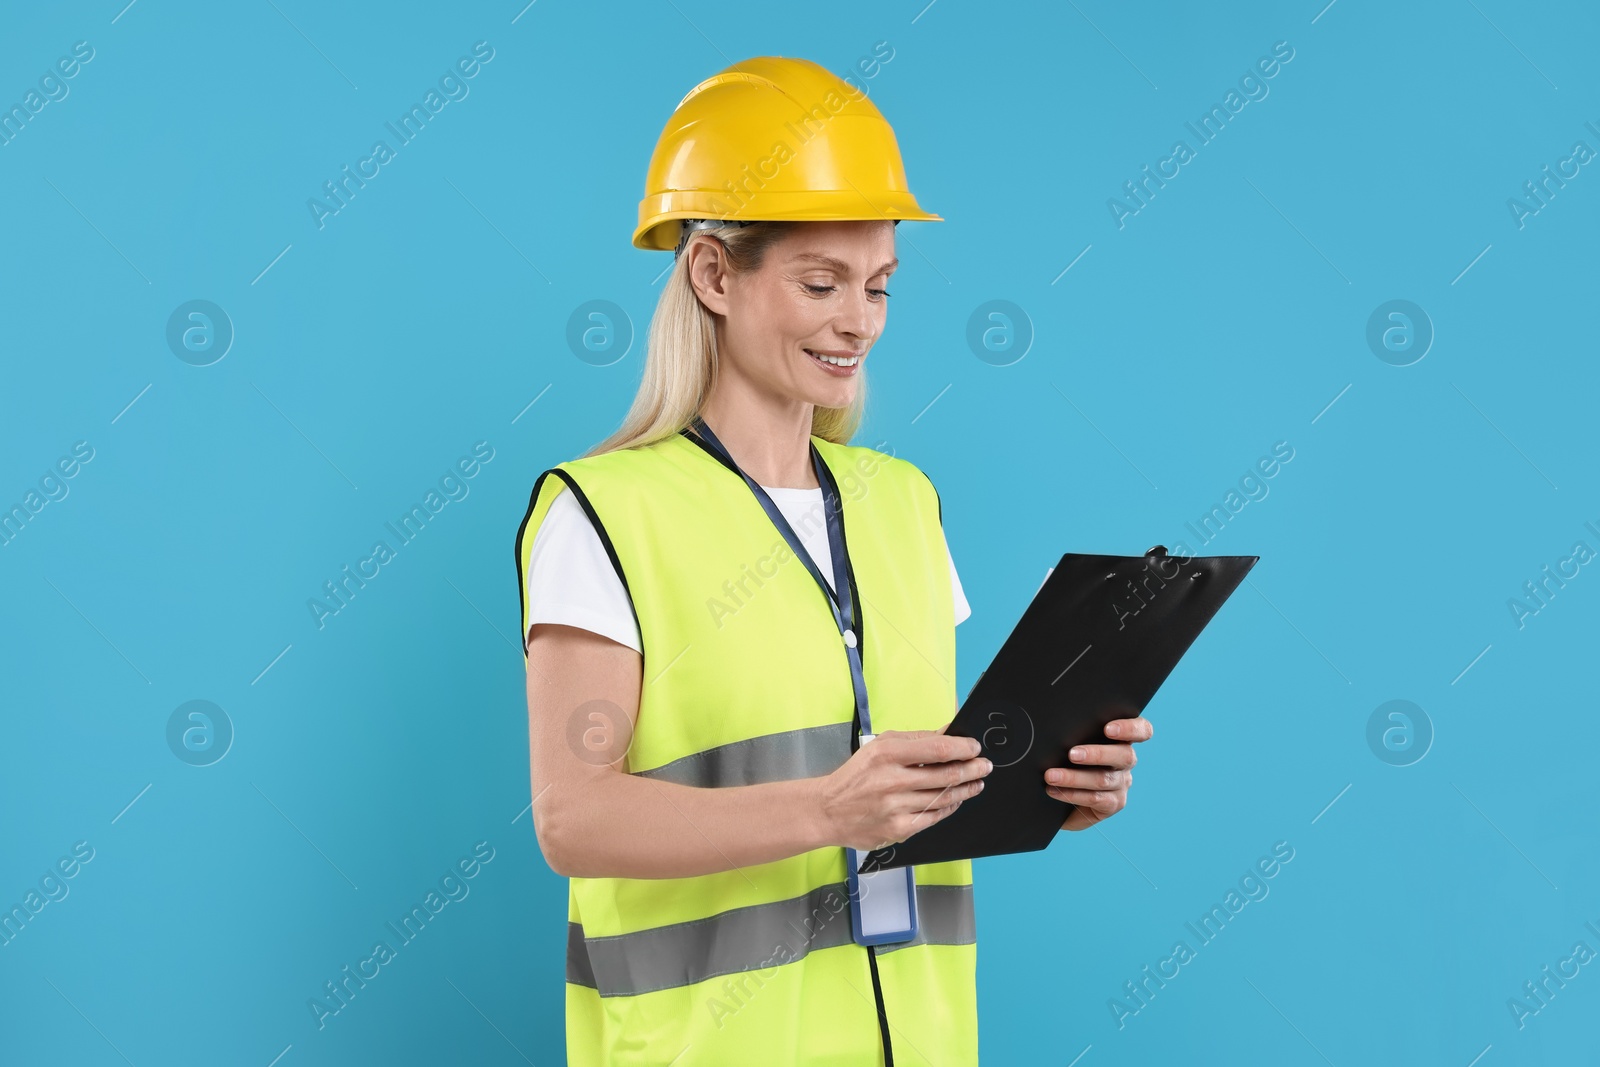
column 840, row 265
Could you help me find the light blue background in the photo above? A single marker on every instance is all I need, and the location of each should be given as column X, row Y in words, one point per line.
column 1225, row 316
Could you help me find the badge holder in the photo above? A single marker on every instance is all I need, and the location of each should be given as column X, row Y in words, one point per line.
column 883, row 903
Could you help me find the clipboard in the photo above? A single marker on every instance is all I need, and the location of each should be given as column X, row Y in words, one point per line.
column 1095, row 643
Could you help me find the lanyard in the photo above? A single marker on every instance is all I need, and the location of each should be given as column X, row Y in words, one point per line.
column 839, row 599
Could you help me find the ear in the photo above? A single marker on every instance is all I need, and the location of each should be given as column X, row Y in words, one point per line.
column 708, row 272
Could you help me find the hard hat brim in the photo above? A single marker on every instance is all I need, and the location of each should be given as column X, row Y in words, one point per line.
column 659, row 216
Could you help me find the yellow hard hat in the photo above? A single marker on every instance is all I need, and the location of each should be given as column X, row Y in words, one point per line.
column 773, row 139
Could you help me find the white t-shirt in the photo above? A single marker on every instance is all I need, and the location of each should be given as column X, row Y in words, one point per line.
column 571, row 580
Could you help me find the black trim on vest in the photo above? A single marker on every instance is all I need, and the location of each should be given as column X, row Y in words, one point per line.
column 883, row 1016
column 522, row 579
column 936, row 498
column 599, row 527
column 855, row 743
column 705, row 447
column 855, row 732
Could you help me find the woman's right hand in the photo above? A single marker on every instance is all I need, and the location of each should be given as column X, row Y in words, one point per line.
column 899, row 783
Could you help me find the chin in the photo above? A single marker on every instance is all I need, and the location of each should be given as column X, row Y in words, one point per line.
column 834, row 399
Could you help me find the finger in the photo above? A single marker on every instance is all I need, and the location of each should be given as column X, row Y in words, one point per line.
column 924, row 819
column 1130, row 729
column 1081, row 819
column 1088, row 778
column 925, row 799
column 931, row 748
column 944, row 775
column 1104, row 802
column 1119, row 757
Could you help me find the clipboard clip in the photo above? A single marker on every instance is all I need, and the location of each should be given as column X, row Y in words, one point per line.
column 1159, row 552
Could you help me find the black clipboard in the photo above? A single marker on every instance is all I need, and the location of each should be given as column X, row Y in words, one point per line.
column 1096, row 642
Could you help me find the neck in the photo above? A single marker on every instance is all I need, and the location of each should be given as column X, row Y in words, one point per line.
column 768, row 437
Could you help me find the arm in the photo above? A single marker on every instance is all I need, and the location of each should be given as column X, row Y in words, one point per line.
column 595, row 820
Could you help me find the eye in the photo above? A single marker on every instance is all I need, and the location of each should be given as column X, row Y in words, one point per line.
column 877, row 294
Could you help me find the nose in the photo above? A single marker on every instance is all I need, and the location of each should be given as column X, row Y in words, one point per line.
column 860, row 317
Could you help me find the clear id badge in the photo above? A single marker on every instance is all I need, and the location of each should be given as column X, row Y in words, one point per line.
column 883, row 904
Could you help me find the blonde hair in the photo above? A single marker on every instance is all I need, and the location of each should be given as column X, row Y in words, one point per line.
column 681, row 359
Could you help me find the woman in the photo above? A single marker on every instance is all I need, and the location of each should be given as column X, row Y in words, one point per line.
column 721, row 599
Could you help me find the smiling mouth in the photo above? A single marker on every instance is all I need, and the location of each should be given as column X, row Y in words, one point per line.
column 836, row 363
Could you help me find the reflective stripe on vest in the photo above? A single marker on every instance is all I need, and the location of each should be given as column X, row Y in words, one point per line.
column 809, row 752
column 746, row 939
column 745, row 681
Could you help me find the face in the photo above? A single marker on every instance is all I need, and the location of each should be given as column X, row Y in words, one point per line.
column 820, row 292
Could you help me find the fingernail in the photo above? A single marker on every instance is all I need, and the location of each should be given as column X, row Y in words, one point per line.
column 1053, row 777
column 1076, row 755
column 988, row 765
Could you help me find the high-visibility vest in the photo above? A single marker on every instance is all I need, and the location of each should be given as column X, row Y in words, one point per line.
column 746, row 680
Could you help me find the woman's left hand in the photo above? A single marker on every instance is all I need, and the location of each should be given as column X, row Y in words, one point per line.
column 1099, row 784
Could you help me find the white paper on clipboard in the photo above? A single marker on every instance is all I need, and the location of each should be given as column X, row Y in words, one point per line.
column 1048, row 571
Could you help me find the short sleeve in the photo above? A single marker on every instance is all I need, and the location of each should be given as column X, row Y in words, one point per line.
column 571, row 580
